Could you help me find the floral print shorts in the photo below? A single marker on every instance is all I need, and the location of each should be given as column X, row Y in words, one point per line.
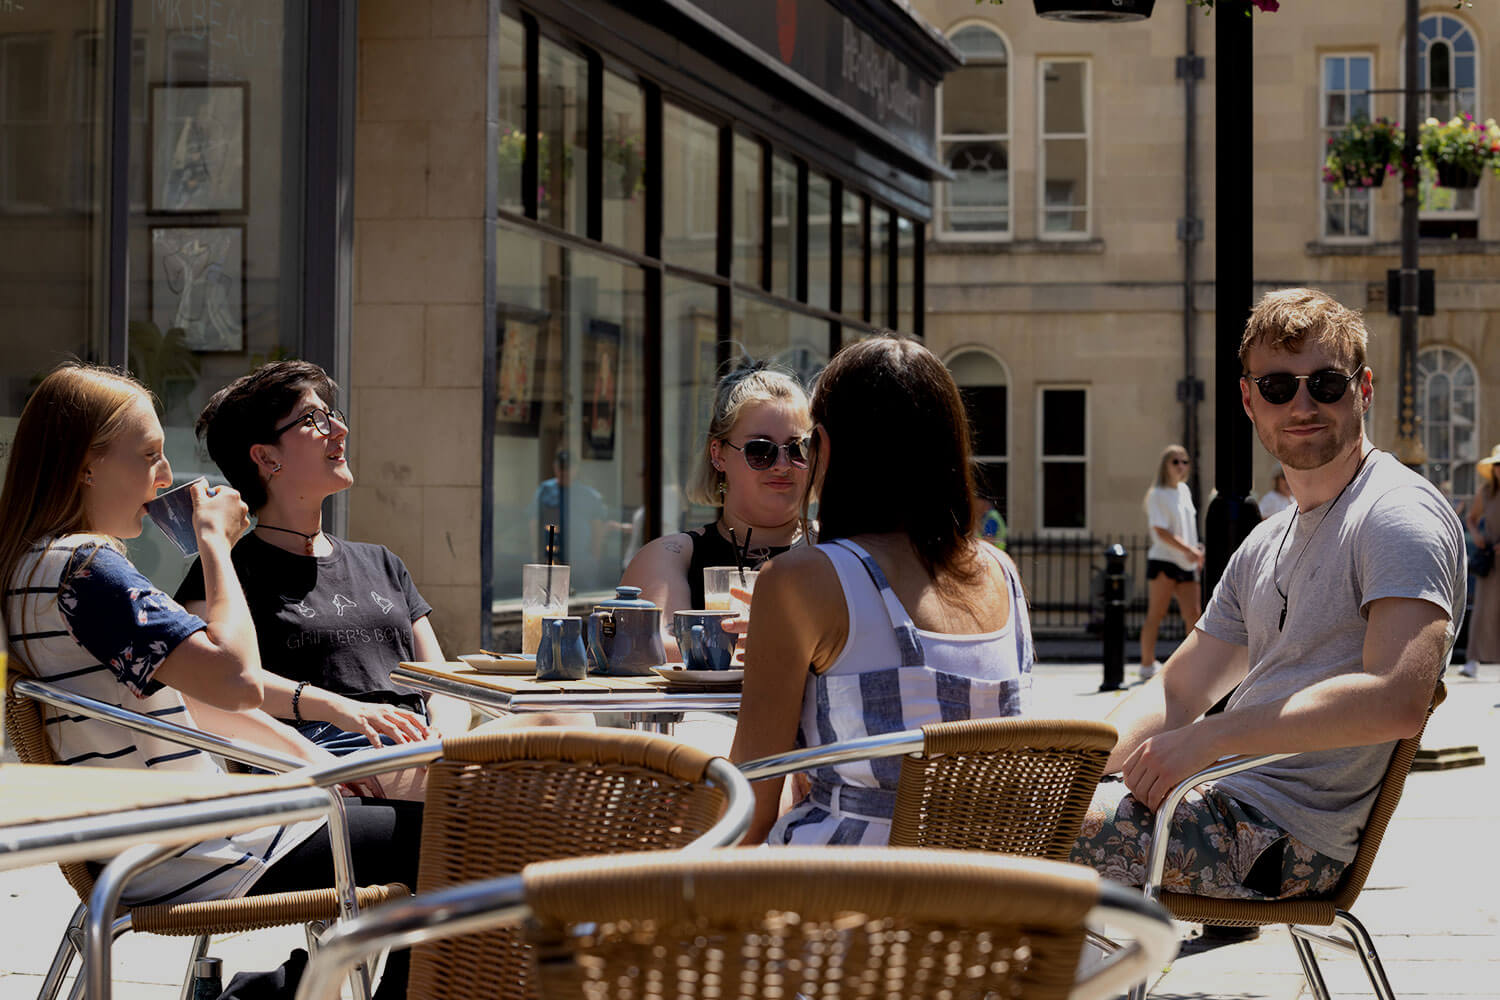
column 1219, row 847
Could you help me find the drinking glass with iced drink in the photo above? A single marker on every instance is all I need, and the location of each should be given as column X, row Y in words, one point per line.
column 719, row 584
column 544, row 594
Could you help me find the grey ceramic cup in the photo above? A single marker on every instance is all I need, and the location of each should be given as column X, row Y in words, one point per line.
column 702, row 640
column 172, row 512
column 561, row 656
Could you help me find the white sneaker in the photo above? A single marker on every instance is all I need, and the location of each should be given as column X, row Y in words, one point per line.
column 1148, row 672
column 1469, row 669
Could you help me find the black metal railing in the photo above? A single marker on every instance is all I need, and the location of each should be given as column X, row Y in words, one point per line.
column 1064, row 579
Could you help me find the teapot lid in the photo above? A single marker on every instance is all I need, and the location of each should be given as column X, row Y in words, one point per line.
column 626, row 597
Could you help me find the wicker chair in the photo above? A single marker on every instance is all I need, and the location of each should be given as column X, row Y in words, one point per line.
column 24, row 729
column 856, row 922
column 1012, row 785
column 500, row 800
column 1300, row 914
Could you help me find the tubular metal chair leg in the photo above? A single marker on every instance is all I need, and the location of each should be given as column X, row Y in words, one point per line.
column 1310, row 968
column 62, row 960
column 199, row 949
column 1364, row 947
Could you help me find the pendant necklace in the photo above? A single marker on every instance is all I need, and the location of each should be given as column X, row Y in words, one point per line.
column 1281, row 623
column 302, row 534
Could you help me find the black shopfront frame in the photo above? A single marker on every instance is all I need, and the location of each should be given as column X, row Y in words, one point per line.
column 682, row 56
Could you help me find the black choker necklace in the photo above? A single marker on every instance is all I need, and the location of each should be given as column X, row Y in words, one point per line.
column 1281, row 623
column 301, row 534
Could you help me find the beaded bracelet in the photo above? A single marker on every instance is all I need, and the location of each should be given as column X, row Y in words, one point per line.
column 297, row 702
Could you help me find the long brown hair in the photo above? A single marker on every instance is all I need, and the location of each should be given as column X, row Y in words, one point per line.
column 76, row 412
column 899, row 452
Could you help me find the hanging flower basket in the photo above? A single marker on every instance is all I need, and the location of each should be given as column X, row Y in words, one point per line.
column 1094, row 10
column 1460, row 149
column 1363, row 153
column 1450, row 175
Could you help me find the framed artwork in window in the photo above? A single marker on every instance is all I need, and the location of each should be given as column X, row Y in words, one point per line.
column 601, row 374
column 518, row 372
column 197, row 148
column 198, row 285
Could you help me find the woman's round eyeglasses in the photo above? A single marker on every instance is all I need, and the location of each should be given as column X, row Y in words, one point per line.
column 318, row 419
column 762, row 453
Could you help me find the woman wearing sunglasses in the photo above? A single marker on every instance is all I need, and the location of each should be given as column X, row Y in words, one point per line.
column 332, row 616
column 753, row 467
column 1175, row 556
column 898, row 617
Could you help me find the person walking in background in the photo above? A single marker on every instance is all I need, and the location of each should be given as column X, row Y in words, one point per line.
column 1278, row 498
column 1483, row 520
column 1175, row 556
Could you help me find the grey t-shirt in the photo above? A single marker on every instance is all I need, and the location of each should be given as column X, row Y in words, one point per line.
column 1390, row 535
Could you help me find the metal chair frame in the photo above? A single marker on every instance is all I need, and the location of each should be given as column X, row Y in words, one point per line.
column 503, row 902
column 91, row 921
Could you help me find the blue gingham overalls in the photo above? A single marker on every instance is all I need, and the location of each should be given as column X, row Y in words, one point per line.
column 852, row 803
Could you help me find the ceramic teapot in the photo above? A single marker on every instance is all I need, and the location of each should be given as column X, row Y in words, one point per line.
column 625, row 635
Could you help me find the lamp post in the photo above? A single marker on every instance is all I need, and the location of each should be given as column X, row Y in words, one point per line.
column 1409, row 447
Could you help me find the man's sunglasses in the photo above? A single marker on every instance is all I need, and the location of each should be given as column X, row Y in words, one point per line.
column 319, row 420
column 762, row 453
column 1326, row 386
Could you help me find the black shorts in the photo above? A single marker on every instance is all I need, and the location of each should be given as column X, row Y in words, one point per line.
column 1156, row 567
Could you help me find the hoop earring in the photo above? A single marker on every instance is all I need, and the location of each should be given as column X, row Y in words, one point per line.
column 276, row 469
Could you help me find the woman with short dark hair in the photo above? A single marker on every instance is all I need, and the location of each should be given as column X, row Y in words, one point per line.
column 898, row 617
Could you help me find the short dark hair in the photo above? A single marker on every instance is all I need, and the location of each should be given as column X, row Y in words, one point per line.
column 245, row 413
column 900, row 457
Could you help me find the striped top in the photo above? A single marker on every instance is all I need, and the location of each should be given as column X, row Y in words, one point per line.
column 87, row 621
column 892, row 676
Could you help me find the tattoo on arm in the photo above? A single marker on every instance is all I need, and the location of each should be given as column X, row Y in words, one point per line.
column 673, row 547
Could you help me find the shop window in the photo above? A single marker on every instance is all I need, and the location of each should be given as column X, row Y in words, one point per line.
column 1345, row 98
column 569, row 435
column 27, row 180
column 690, row 370
column 1062, row 457
column 783, row 235
column 1448, row 68
column 854, row 247
column 1063, row 173
column 881, row 232
column 510, row 154
column 623, row 199
column 907, row 239
column 690, row 172
column 1448, row 414
column 748, row 190
column 787, row 339
column 974, row 138
column 819, row 240
column 985, row 388
column 562, row 136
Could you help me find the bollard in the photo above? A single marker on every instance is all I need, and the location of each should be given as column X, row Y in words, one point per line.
column 1114, row 618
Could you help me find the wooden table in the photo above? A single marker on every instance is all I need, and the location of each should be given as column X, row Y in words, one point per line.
column 648, row 702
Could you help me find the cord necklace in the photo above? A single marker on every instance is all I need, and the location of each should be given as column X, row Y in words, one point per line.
column 292, row 531
column 1281, row 623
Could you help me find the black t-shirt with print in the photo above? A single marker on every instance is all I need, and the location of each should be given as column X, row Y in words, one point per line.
column 341, row 621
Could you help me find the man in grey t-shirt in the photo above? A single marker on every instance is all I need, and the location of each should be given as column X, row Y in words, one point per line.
column 1333, row 618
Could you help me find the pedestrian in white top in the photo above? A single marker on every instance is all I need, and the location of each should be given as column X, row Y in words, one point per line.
column 1278, row 498
column 1175, row 556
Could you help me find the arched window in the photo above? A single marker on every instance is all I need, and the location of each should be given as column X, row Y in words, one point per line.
column 974, row 138
column 1448, row 409
column 1448, row 72
column 985, row 387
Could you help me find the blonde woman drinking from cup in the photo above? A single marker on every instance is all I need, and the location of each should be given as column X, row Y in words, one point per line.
column 754, row 468
column 898, row 617
column 1175, row 557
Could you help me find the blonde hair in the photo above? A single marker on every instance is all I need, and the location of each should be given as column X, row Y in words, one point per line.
column 1286, row 319
column 751, row 383
column 75, row 413
column 1167, row 454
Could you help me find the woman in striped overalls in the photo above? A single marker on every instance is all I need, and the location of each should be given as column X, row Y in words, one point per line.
column 898, row 618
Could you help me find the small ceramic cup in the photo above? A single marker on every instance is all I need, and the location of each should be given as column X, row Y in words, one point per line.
column 560, row 656
column 702, row 639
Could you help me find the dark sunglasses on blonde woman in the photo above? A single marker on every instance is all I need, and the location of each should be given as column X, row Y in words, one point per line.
column 1326, row 386
column 762, row 453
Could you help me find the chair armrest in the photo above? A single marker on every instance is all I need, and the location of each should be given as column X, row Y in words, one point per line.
column 1161, row 830
column 864, row 748
column 49, row 694
column 1153, row 942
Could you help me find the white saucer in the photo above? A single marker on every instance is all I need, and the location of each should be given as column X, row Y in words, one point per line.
column 699, row 677
column 514, row 663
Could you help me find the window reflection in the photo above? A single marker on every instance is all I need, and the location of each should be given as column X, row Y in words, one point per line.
column 690, row 350
column 819, row 240
column 624, row 168
column 568, row 442
column 690, row 172
column 562, row 136
column 783, row 234
column 880, row 265
column 854, row 256
column 748, row 191
column 511, row 109
column 906, row 274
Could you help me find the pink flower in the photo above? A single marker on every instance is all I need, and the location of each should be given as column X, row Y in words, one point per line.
column 1268, row 6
